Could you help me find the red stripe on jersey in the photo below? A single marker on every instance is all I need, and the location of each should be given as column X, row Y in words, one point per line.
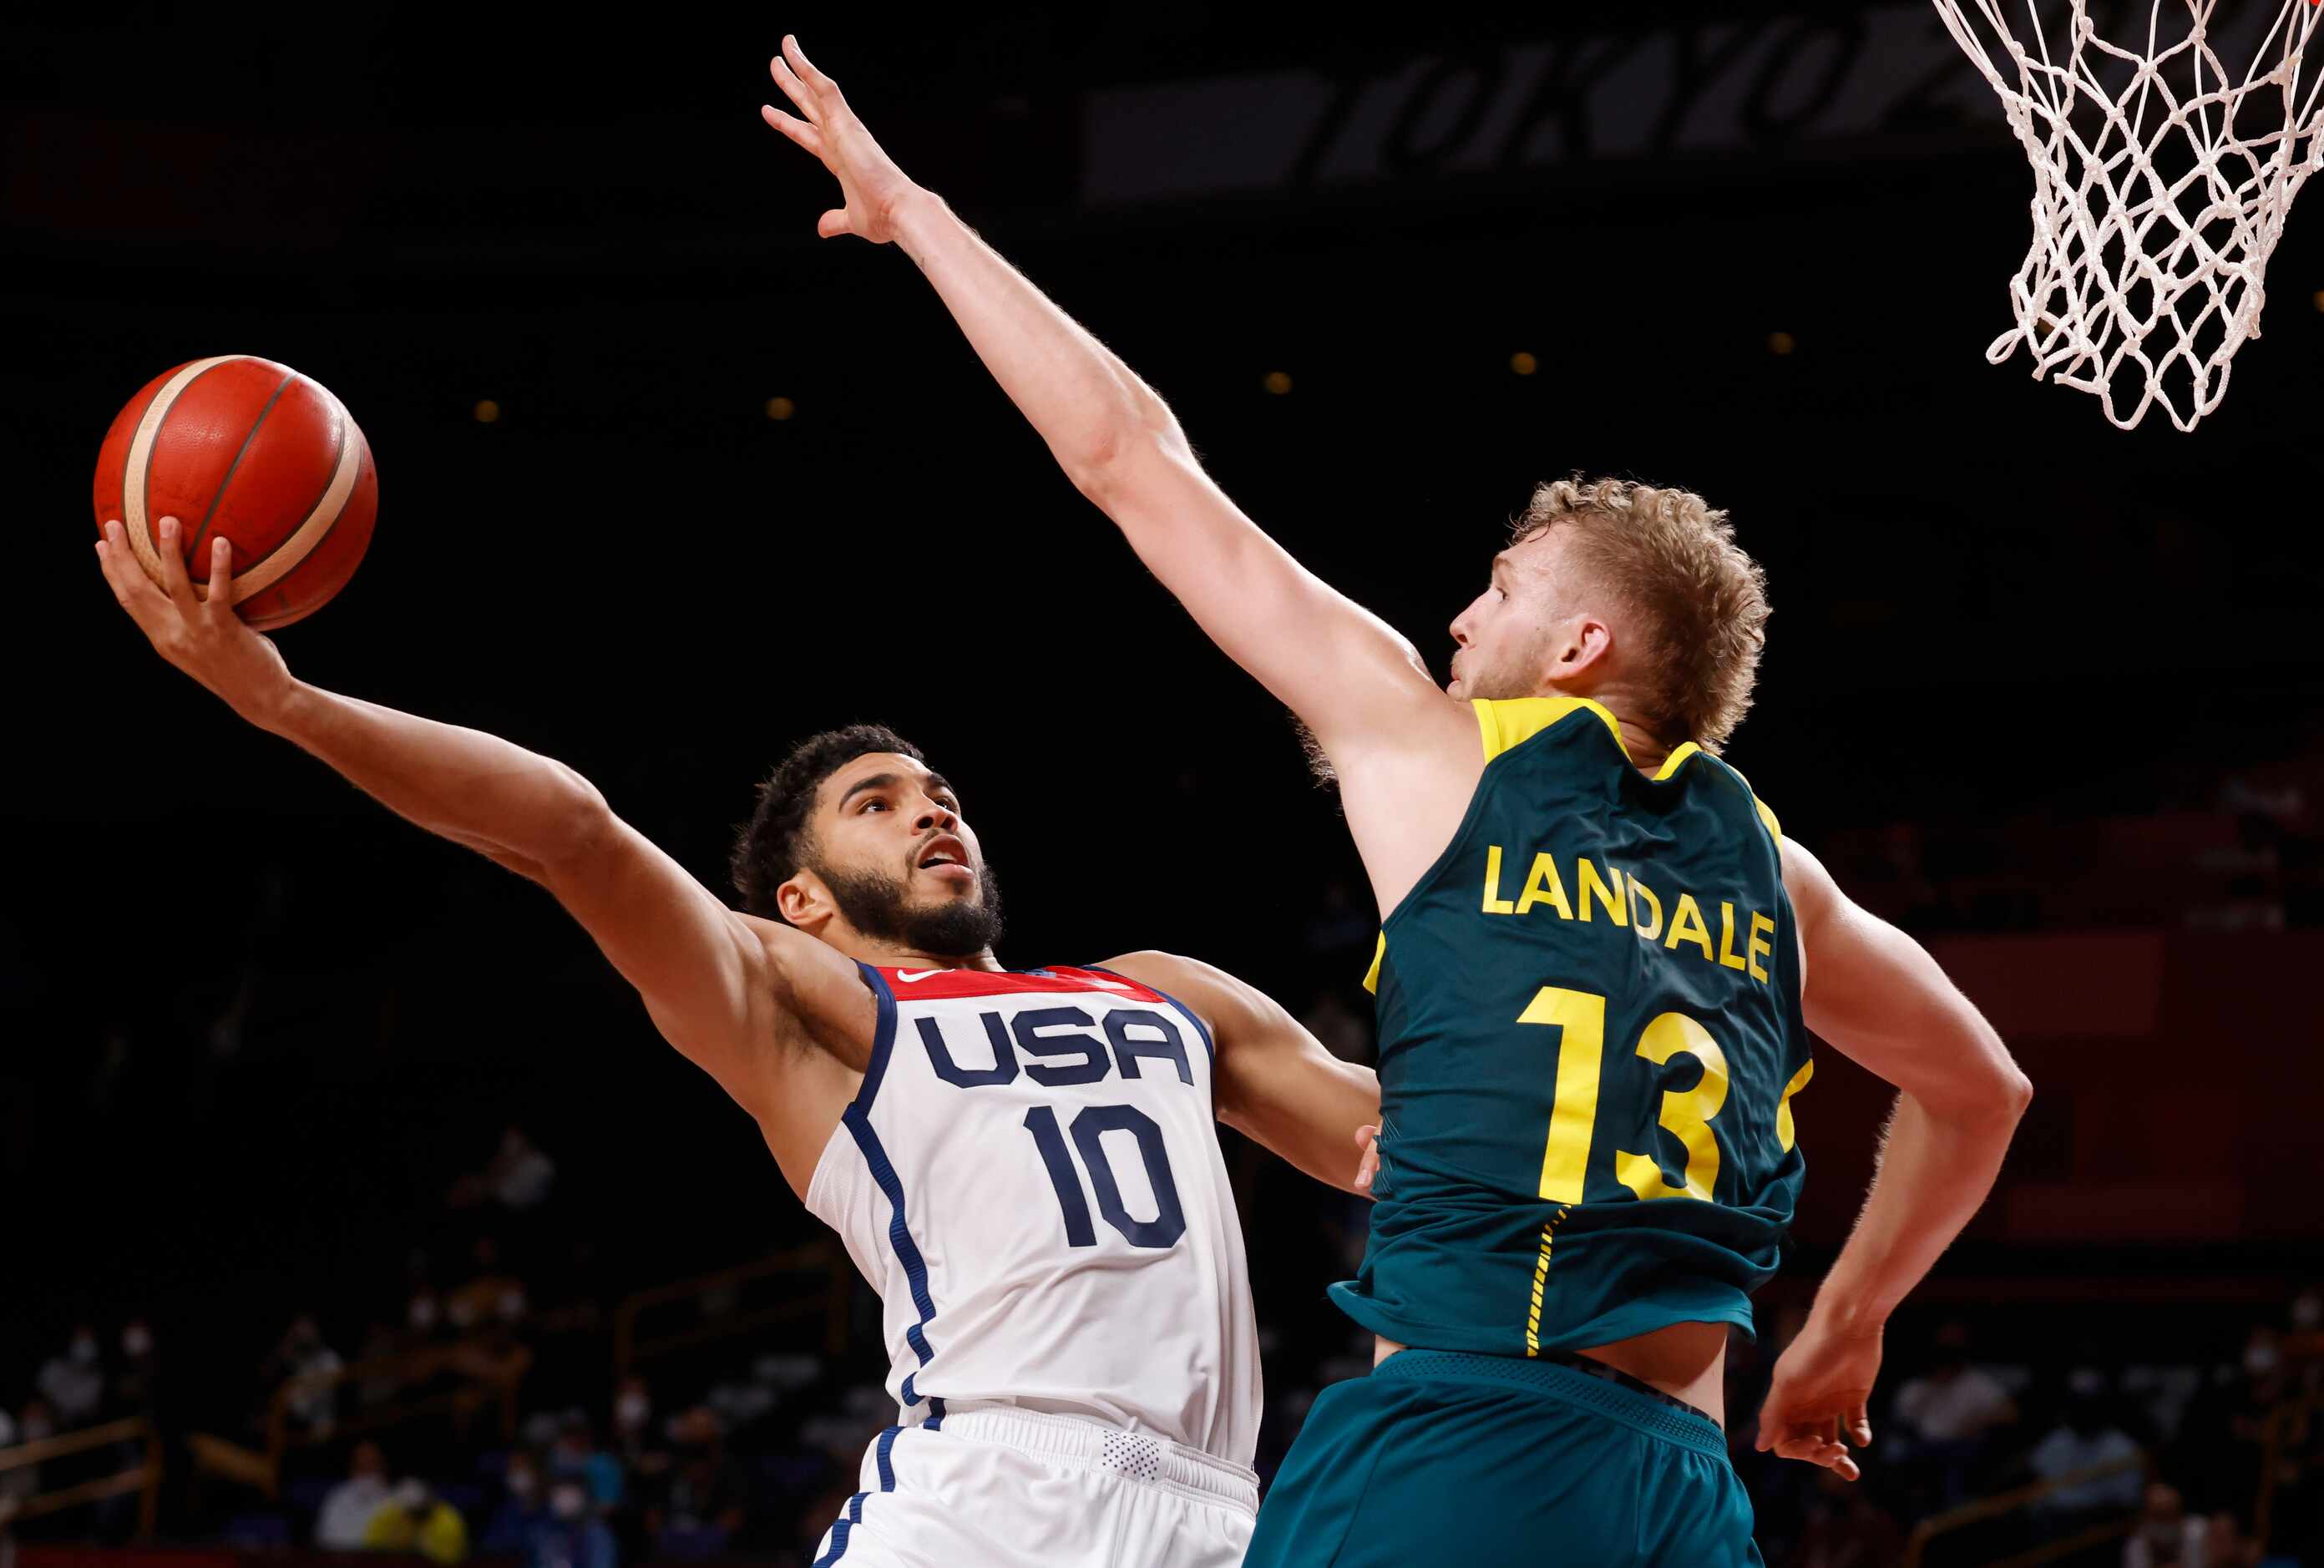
column 946, row 984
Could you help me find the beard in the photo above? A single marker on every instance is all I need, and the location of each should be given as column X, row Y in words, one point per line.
column 1495, row 685
column 1517, row 674
column 880, row 907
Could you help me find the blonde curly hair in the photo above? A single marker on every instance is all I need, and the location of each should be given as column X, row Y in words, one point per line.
column 1670, row 558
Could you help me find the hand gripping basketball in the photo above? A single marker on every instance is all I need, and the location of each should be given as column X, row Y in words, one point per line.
column 871, row 187
column 196, row 630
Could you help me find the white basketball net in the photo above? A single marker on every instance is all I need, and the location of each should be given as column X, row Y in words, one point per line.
column 2161, row 180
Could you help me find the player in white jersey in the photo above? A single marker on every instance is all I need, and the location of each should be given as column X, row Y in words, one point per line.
column 1082, row 1099
column 1023, row 1163
column 1029, row 1176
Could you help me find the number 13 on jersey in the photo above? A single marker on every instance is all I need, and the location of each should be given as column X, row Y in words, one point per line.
column 1580, row 1018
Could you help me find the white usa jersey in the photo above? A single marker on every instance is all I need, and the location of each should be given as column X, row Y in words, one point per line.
column 1031, row 1177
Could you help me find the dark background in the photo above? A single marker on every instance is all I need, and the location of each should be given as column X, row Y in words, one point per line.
column 2000, row 621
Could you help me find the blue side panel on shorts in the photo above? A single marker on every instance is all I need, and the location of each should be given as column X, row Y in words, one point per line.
column 858, row 1121
column 854, row 1517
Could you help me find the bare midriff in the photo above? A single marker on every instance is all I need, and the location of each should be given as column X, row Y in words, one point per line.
column 1686, row 1360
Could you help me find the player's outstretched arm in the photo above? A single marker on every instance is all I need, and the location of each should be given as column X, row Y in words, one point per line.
column 1354, row 680
column 1275, row 1083
column 715, row 982
column 1877, row 996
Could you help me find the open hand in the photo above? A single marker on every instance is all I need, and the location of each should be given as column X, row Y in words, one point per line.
column 1822, row 1386
column 196, row 628
column 871, row 186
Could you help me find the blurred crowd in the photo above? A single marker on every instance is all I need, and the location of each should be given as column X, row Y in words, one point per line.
column 2185, row 1453
column 762, row 1452
column 400, row 1443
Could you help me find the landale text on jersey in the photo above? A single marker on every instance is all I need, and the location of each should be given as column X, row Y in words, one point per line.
column 1625, row 901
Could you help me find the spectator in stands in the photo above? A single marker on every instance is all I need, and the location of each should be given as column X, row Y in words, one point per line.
column 137, row 1387
column 577, row 1457
column 415, row 1519
column 1951, row 1416
column 698, row 1507
column 523, row 1508
column 491, row 1296
column 73, row 1382
column 343, row 1521
column 382, row 1343
column 644, row 1458
column 423, row 1318
column 633, row 1440
column 36, row 1423
column 573, row 1536
column 134, row 1393
column 2166, row 1537
column 2224, row 1545
column 1846, row 1528
column 2215, row 1456
column 518, row 1177
column 8, row 1502
column 311, row 1367
column 2303, row 1343
column 2265, row 1384
column 2087, row 1437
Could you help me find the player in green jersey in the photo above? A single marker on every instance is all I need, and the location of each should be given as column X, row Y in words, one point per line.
column 1599, row 966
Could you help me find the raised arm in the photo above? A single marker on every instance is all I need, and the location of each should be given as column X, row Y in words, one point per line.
column 1274, row 1081
column 1878, row 998
column 1351, row 678
column 724, row 989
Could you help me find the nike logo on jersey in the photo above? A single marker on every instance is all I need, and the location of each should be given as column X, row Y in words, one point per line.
column 908, row 976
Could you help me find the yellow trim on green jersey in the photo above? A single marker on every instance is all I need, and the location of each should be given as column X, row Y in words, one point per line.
column 1689, row 748
column 1505, row 724
column 1508, row 723
column 1670, row 763
column 1767, row 817
column 1774, row 827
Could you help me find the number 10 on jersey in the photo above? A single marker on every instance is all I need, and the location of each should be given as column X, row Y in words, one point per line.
column 1089, row 1127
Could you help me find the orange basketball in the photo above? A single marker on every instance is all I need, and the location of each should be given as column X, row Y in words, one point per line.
column 250, row 450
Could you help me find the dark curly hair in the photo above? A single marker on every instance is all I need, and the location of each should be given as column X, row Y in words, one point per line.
column 770, row 848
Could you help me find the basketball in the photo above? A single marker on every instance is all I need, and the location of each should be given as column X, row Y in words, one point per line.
column 248, row 451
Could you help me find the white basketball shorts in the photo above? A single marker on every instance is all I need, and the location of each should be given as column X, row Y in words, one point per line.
column 996, row 1487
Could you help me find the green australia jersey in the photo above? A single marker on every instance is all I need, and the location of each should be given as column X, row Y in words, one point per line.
column 1590, row 1035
